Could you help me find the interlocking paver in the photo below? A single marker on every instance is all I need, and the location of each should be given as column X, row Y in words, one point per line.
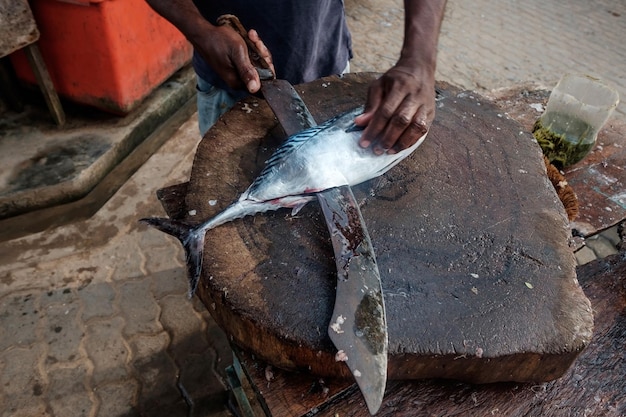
column 184, row 325
column 57, row 296
column 584, row 255
column 156, row 371
column 120, row 260
column 23, row 385
column 28, row 409
column 117, row 399
column 612, row 235
column 107, row 350
column 19, row 319
column 2, row 397
column 169, row 281
column 138, row 307
column 68, row 395
column 62, row 331
column 193, row 376
column 19, row 278
column 601, row 246
column 163, row 257
column 97, row 301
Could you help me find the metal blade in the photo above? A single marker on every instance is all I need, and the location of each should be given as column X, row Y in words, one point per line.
column 359, row 305
column 287, row 105
column 358, row 326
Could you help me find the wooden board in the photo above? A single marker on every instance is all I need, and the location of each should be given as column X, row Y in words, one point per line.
column 593, row 387
column 17, row 26
column 471, row 241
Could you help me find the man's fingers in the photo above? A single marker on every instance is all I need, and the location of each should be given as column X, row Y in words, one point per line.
column 398, row 112
column 386, row 101
column 262, row 49
column 398, row 131
column 415, row 130
column 249, row 76
column 245, row 69
column 388, row 124
column 260, row 46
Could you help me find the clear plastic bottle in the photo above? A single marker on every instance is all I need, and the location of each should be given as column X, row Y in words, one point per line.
column 577, row 109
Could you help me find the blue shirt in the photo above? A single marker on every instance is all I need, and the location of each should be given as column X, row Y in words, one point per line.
column 308, row 39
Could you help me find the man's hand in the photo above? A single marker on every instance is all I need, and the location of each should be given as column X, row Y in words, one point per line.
column 399, row 110
column 400, row 105
column 226, row 52
column 220, row 46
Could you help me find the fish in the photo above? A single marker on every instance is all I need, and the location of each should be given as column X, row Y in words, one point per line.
column 316, row 159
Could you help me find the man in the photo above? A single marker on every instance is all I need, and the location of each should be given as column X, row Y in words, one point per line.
column 309, row 39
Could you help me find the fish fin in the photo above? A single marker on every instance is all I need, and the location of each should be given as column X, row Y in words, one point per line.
column 296, row 209
column 192, row 239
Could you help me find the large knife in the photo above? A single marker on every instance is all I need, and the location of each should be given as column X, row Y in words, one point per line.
column 358, row 327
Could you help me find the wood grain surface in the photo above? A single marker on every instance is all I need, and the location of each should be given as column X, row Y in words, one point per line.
column 17, row 26
column 593, row 387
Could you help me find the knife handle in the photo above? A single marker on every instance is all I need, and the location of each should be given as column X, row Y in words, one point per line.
column 260, row 64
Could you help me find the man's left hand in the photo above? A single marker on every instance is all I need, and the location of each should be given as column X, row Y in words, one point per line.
column 399, row 110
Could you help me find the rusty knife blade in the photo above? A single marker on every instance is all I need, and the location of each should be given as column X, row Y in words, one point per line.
column 287, row 106
column 358, row 326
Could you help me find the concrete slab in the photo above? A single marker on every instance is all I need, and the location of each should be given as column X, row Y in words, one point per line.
column 44, row 166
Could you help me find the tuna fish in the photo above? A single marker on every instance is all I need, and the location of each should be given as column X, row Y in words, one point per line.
column 316, row 159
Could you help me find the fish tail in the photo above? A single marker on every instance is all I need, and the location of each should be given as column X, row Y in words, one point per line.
column 192, row 239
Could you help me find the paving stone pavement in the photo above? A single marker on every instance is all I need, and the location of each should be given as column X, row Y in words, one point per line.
column 94, row 319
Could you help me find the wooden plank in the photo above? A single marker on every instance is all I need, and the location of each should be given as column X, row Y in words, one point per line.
column 173, row 200
column 291, row 393
column 45, row 83
column 17, row 26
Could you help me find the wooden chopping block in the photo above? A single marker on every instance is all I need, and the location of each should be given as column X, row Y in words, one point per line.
column 471, row 239
column 594, row 386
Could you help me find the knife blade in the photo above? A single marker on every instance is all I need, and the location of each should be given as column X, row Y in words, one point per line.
column 358, row 326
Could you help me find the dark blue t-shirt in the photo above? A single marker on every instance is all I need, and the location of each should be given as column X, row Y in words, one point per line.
column 308, row 39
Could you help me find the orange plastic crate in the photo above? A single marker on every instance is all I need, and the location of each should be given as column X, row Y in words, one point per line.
column 105, row 53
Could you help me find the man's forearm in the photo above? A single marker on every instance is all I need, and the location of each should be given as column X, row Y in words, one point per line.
column 421, row 31
column 184, row 15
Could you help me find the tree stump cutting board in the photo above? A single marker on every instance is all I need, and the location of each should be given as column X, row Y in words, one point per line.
column 470, row 237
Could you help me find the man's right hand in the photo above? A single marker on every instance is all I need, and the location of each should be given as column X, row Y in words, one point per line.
column 226, row 52
column 221, row 47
